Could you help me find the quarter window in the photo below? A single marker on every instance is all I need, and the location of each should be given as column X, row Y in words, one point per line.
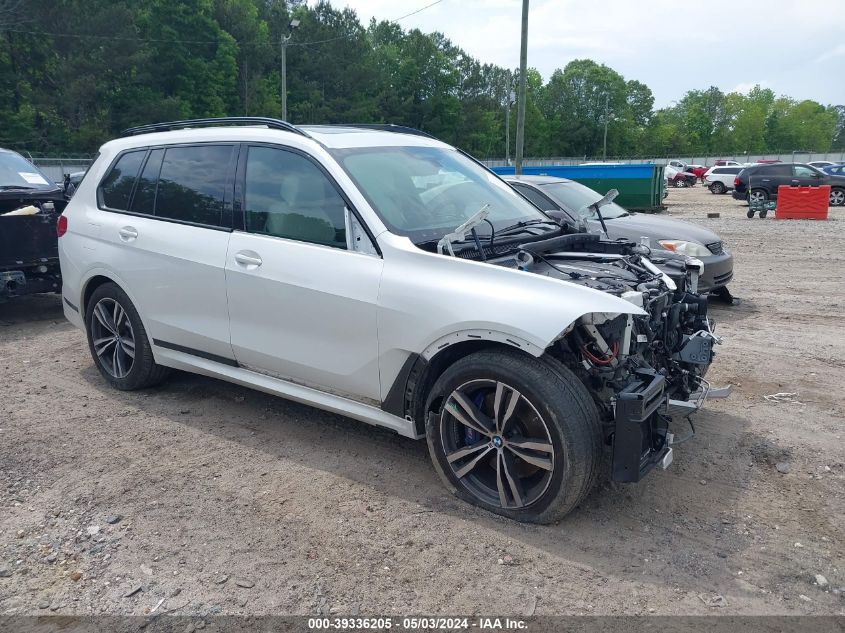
column 286, row 195
column 116, row 188
column 192, row 183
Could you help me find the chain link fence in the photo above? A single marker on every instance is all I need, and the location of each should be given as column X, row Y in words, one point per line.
column 786, row 157
column 56, row 168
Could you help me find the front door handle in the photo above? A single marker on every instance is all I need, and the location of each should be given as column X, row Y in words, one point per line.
column 128, row 233
column 248, row 259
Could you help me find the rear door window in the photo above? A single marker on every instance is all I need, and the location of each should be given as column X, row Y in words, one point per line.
column 192, row 184
column 145, row 192
column 780, row 171
column 116, row 188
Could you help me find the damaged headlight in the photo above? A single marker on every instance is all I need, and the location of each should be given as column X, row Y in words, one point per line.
column 683, row 247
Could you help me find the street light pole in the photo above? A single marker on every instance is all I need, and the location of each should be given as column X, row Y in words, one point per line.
column 508, row 105
column 606, row 117
column 284, row 48
column 520, row 108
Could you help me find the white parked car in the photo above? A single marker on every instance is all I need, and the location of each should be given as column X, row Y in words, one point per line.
column 720, row 179
column 378, row 273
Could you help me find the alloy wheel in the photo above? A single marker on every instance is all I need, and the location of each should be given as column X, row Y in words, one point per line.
column 758, row 196
column 497, row 444
column 112, row 337
column 837, row 198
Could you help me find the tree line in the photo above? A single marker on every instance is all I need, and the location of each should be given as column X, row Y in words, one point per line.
column 74, row 73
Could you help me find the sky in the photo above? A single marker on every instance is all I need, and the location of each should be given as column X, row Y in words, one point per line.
column 794, row 47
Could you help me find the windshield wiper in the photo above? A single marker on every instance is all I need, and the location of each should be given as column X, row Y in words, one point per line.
column 460, row 233
column 20, row 187
column 525, row 223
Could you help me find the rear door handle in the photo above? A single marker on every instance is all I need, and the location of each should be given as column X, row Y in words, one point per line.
column 128, row 233
column 248, row 258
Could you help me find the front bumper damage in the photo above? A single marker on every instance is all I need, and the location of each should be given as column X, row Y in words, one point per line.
column 642, row 414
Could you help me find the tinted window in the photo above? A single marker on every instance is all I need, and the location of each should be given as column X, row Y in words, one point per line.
column 774, row 170
column 117, row 185
column 805, row 172
column 192, row 182
column 727, row 170
column 145, row 192
column 539, row 200
column 286, row 195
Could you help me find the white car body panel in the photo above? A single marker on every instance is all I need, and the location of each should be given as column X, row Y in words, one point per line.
column 308, row 316
column 428, row 299
column 308, row 312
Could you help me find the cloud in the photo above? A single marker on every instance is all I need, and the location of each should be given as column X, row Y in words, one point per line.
column 662, row 43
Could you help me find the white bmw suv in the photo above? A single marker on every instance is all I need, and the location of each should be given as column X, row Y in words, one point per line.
column 378, row 273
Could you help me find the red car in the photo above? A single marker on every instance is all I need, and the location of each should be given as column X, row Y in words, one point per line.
column 682, row 179
column 698, row 170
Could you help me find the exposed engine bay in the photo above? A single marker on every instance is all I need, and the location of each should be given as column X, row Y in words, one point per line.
column 633, row 365
column 642, row 371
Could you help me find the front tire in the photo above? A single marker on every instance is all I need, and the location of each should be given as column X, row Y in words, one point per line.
column 717, row 188
column 514, row 435
column 118, row 341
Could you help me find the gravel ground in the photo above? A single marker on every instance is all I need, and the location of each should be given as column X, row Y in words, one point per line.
column 204, row 498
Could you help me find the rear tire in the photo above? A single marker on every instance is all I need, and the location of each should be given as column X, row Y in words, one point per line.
column 493, row 464
column 758, row 195
column 118, row 341
column 837, row 197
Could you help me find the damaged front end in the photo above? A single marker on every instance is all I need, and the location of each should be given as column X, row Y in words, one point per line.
column 642, row 370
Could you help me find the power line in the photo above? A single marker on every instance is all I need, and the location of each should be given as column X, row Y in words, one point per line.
column 217, row 41
column 113, row 37
column 348, row 35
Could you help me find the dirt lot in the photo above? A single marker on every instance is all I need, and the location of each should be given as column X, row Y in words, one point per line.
column 218, row 499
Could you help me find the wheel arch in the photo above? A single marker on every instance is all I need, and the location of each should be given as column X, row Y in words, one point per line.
column 96, row 278
column 409, row 392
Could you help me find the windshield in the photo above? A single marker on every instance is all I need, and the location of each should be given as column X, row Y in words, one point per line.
column 17, row 172
column 576, row 198
column 426, row 192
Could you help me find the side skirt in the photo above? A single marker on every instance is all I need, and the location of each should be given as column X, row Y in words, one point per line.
column 278, row 387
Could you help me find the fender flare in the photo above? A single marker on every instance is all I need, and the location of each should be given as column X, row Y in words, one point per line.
column 481, row 335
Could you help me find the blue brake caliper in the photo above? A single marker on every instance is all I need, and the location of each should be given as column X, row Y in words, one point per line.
column 471, row 436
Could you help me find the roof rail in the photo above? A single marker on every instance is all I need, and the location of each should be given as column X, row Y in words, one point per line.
column 274, row 124
column 388, row 127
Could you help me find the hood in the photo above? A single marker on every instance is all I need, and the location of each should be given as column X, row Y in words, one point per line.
column 656, row 227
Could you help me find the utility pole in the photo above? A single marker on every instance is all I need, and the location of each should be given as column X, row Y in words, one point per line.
column 510, row 99
column 520, row 108
column 284, row 47
column 606, row 117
